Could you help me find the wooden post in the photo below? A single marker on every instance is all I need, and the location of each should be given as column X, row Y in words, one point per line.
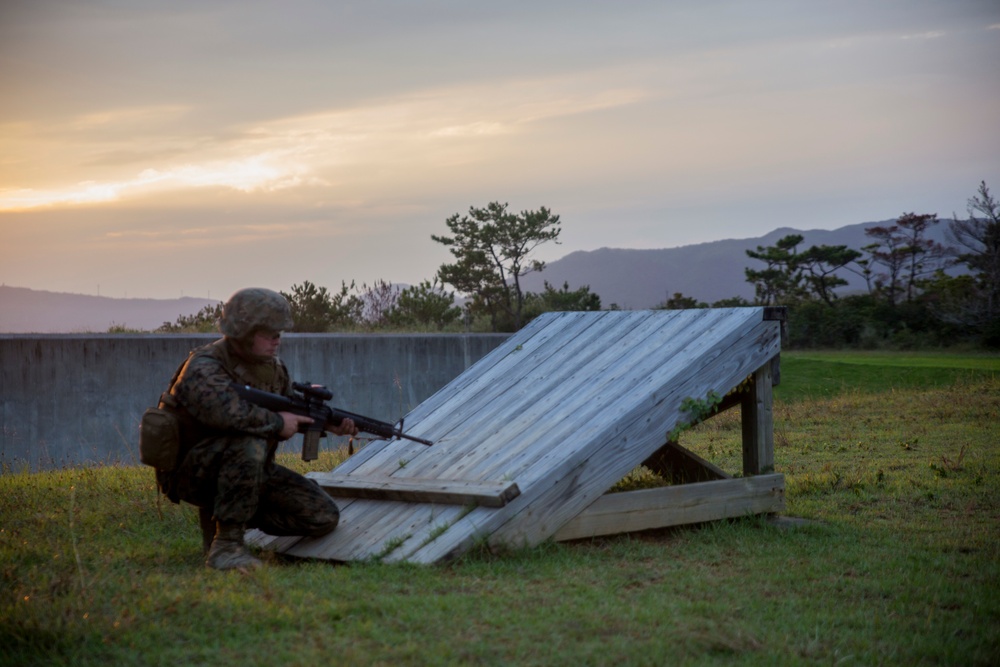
column 758, row 425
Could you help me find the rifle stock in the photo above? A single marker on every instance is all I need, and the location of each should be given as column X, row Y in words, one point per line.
column 312, row 404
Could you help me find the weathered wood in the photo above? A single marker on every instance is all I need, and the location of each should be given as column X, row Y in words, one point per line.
column 625, row 400
column 758, row 425
column 534, row 385
column 676, row 505
column 579, row 411
column 411, row 489
column 557, row 487
column 682, row 466
column 566, row 408
column 780, row 314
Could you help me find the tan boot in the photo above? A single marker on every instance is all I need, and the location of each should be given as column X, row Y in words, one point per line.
column 228, row 551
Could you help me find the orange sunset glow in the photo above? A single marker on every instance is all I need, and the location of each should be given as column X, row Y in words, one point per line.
column 248, row 144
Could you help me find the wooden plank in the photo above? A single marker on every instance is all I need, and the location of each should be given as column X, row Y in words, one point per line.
column 365, row 525
column 557, row 487
column 598, row 393
column 677, row 505
column 617, row 395
column 640, row 377
column 489, row 414
column 463, row 407
column 357, row 534
column 414, row 489
column 642, row 395
column 567, row 489
column 780, row 314
column 513, row 400
column 758, row 424
column 370, row 527
column 498, row 362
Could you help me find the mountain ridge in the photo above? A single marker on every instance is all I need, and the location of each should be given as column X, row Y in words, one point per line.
column 633, row 278
column 629, row 278
column 24, row 310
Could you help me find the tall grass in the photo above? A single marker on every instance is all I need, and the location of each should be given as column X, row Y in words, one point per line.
column 898, row 565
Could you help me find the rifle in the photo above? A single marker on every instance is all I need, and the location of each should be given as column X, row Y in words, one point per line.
column 312, row 404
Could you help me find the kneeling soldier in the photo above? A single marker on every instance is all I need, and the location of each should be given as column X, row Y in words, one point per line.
column 226, row 462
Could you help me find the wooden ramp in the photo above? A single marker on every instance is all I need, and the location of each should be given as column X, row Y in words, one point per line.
column 529, row 439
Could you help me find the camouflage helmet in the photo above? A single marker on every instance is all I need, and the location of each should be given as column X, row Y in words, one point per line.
column 253, row 309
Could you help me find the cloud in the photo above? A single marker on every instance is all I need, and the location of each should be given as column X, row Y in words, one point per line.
column 431, row 127
column 930, row 34
column 476, row 129
column 259, row 172
column 227, row 234
column 133, row 116
column 82, row 193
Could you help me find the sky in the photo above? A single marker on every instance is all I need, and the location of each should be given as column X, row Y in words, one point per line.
column 191, row 148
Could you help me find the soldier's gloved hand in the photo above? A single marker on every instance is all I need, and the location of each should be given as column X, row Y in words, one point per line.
column 291, row 424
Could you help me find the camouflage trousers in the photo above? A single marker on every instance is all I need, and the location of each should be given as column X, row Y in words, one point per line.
column 236, row 478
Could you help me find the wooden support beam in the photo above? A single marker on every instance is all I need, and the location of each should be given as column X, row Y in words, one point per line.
column 667, row 506
column 758, row 424
column 780, row 314
column 414, row 489
column 682, row 466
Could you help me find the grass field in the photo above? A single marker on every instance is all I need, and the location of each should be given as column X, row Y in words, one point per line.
column 810, row 375
column 892, row 458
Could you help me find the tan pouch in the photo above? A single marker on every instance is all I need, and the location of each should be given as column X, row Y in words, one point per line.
column 159, row 439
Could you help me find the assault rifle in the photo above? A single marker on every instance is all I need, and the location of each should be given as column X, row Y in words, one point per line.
column 312, row 404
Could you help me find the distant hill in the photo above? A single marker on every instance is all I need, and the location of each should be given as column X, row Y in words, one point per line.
column 25, row 310
column 632, row 279
column 709, row 272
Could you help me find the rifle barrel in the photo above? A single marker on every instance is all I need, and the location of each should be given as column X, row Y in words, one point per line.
column 279, row 403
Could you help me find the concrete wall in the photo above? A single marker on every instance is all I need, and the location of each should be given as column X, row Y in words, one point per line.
column 77, row 399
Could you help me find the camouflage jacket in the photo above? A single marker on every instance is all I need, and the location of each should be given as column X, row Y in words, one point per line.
column 204, row 394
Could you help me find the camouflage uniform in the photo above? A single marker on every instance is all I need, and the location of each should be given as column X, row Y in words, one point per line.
column 228, row 470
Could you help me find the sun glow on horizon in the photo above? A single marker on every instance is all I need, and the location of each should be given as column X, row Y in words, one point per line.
column 259, row 172
column 440, row 127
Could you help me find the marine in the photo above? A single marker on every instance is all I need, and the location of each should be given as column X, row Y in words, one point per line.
column 225, row 466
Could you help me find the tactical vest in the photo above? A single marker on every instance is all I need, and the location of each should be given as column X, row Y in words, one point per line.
column 270, row 376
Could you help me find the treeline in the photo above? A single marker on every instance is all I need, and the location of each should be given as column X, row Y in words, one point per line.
column 426, row 307
column 912, row 300
column 492, row 248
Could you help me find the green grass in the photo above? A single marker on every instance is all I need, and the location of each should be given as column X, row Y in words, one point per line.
column 810, row 375
column 899, row 565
